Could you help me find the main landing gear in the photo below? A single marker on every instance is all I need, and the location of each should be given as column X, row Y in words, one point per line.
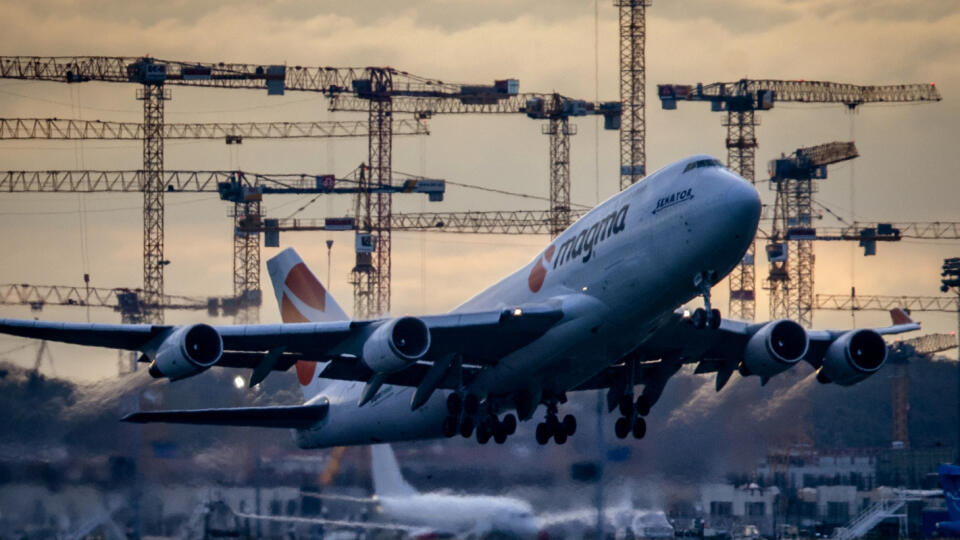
column 631, row 419
column 464, row 413
column 705, row 317
column 553, row 428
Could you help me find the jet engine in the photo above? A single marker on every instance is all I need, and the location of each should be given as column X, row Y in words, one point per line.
column 776, row 347
column 396, row 344
column 186, row 351
column 853, row 357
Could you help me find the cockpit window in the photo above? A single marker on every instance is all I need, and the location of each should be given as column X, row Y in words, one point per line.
column 702, row 163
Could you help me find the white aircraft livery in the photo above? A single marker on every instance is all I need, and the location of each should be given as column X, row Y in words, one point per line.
column 428, row 515
column 596, row 309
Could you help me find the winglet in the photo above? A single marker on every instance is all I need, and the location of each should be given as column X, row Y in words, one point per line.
column 900, row 316
column 901, row 323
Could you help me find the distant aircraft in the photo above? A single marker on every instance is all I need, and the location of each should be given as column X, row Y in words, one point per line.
column 431, row 515
column 950, row 481
column 597, row 309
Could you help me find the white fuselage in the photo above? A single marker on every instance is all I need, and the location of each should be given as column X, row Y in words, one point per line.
column 618, row 273
column 478, row 515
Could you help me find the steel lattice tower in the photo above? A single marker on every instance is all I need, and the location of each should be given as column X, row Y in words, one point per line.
column 381, row 144
column 791, row 281
column 247, row 219
column 559, row 130
column 372, row 281
column 741, row 158
column 362, row 274
column 633, row 80
column 153, row 96
column 799, row 207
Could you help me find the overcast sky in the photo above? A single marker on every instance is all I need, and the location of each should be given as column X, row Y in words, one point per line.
column 906, row 171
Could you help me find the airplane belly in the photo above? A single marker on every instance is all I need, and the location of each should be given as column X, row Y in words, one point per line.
column 387, row 418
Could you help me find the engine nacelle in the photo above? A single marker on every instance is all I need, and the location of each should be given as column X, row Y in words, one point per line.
column 188, row 350
column 853, row 357
column 396, row 344
column 774, row 348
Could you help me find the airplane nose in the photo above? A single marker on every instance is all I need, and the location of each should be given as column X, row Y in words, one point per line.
column 743, row 203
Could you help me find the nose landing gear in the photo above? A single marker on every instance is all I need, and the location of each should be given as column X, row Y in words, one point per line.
column 706, row 317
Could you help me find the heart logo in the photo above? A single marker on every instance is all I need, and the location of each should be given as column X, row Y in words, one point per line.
column 539, row 272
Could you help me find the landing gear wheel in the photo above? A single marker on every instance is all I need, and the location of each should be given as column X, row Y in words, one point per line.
column 454, row 404
column 560, row 436
column 466, row 426
column 639, row 428
column 569, row 425
column 500, row 433
column 622, row 427
column 543, row 433
column 509, row 424
column 713, row 319
column 449, row 426
column 699, row 318
column 484, row 432
column 471, row 404
column 625, row 404
column 643, row 406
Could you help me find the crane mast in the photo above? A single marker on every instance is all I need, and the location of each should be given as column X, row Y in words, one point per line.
column 633, row 83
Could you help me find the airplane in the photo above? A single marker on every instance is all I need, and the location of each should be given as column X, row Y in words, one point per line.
column 598, row 309
column 950, row 482
column 430, row 515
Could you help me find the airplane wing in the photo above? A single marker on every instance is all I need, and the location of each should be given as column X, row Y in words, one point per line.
column 479, row 338
column 298, row 416
column 763, row 349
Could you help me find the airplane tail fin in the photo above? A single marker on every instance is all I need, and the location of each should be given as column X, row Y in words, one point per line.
column 950, row 482
column 302, row 298
column 387, row 480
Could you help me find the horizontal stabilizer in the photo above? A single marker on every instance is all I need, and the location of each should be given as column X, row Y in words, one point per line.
column 300, row 416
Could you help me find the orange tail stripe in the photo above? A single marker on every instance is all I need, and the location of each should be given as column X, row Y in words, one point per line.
column 306, row 287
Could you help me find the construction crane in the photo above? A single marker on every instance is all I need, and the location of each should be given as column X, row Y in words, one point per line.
column 855, row 302
column 633, row 93
column 246, row 249
column 555, row 108
column 901, row 354
column 475, row 222
column 230, row 132
column 378, row 86
column 371, row 290
column 243, row 189
column 129, row 302
column 376, row 89
column 790, row 280
column 741, row 100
